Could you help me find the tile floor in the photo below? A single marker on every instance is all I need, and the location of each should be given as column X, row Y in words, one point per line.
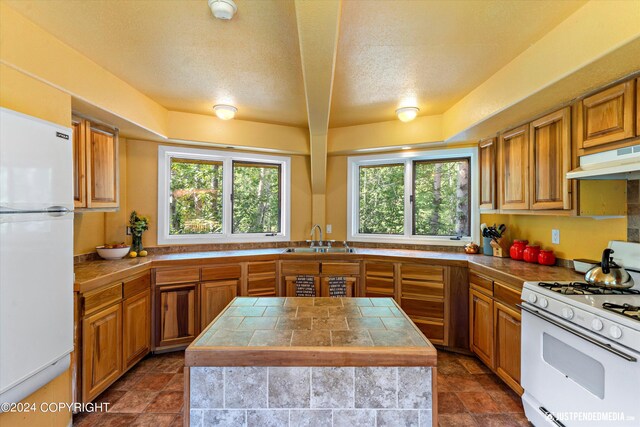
column 151, row 394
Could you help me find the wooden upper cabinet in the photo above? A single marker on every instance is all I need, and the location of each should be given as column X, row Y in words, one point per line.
column 79, row 169
column 95, row 166
column 513, row 168
column 487, row 149
column 102, row 168
column 606, row 117
column 550, row 157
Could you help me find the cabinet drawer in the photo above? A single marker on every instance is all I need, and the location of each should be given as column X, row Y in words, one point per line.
column 379, row 269
column 221, row 272
column 177, row 275
column 417, row 272
column 429, row 308
column 261, row 286
column 506, row 294
column 137, row 284
column 300, row 267
column 261, row 267
column 416, row 288
column 339, row 268
column 95, row 300
column 485, row 284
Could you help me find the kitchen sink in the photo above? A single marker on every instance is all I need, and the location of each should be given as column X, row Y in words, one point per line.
column 322, row 250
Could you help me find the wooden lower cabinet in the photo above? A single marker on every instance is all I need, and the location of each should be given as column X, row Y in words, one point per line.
column 506, row 330
column 262, row 279
column 214, row 297
column 136, row 328
column 379, row 279
column 101, row 350
column 481, row 325
column 176, row 315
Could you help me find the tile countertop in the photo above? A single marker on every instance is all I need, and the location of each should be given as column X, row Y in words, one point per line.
column 92, row 274
column 276, row 331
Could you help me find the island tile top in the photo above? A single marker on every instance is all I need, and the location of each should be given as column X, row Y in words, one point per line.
column 290, row 330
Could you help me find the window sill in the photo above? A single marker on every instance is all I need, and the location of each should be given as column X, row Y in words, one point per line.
column 434, row 241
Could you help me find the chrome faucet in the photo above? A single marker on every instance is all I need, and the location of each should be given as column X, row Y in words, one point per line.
column 313, row 229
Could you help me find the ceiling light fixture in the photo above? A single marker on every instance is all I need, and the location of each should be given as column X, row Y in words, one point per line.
column 406, row 114
column 225, row 112
column 223, row 9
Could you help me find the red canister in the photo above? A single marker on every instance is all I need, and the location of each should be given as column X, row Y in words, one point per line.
column 516, row 251
column 546, row 258
column 530, row 253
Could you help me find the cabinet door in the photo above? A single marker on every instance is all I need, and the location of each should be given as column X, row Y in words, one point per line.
column 79, row 171
column 214, row 297
column 261, row 279
column 550, row 156
column 101, row 350
column 513, row 168
column 350, row 284
column 507, row 345
column 487, row 173
column 606, row 117
column 422, row 297
column 102, row 168
column 481, row 326
column 137, row 327
column 177, row 315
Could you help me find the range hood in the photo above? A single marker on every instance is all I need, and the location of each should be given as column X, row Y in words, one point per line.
column 623, row 163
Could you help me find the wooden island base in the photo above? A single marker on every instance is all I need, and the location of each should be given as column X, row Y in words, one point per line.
column 311, row 361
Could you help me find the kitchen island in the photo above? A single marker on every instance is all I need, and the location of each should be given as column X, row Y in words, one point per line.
column 311, row 361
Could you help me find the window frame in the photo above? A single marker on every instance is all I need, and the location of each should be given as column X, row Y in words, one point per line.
column 407, row 158
column 166, row 153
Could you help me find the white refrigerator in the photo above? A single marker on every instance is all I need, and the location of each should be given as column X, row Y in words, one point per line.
column 36, row 253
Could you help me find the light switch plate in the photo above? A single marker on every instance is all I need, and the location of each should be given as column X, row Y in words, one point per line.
column 555, row 237
column 328, row 228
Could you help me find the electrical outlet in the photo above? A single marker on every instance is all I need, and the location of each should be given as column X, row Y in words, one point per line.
column 128, row 231
column 555, row 237
column 328, row 228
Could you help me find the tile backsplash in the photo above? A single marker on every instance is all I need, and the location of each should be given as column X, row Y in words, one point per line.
column 633, row 211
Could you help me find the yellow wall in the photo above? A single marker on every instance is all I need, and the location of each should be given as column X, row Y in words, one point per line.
column 26, row 95
column 337, row 197
column 139, row 192
column 579, row 237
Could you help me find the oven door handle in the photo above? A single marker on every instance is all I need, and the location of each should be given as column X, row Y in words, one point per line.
column 593, row 341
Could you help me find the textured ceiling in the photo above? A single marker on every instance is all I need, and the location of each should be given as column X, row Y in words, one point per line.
column 179, row 55
column 429, row 53
column 390, row 53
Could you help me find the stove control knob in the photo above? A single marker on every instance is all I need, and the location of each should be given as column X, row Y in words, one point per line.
column 532, row 298
column 543, row 302
column 567, row 313
column 596, row 324
column 615, row 332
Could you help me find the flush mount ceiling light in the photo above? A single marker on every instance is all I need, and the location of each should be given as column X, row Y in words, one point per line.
column 406, row 114
column 225, row 112
column 223, row 9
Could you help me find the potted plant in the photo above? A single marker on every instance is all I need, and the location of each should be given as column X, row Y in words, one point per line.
column 138, row 224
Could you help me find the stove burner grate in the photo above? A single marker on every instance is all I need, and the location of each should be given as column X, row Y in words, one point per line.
column 580, row 288
column 627, row 310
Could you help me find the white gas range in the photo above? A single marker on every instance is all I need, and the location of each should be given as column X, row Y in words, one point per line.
column 580, row 355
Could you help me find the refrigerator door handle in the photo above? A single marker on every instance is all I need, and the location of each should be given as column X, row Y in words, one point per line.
column 57, row 210
column 51, row 210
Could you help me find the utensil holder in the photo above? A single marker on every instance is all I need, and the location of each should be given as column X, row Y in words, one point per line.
column 486, row 246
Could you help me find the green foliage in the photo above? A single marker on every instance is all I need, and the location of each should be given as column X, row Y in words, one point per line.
column 196, row 197
column 441, row 198
column 382, row 199
column 138, row 223
column 256, row 198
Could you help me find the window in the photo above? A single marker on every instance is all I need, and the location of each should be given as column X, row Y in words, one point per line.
column 207, row 196
column 423, row 197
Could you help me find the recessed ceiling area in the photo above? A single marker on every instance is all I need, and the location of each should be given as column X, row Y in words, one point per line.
column 389, row 54
column 429, row 54
column 183, row 58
